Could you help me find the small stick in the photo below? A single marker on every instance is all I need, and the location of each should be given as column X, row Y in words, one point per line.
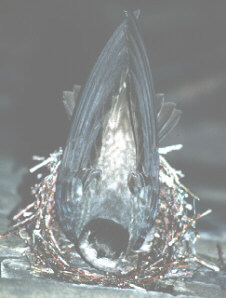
column 24, row 221
column 40, row 165
column 208, row 265
column 37, row 157
column 187, row 225
column 179, row 274
column 155, row 263
column 15, row 217
column 152, row 277
column 54, row 241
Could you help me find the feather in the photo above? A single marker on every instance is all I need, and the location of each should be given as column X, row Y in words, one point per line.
column 166, row 122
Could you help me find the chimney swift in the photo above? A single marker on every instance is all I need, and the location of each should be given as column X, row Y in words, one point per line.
column 108, row 183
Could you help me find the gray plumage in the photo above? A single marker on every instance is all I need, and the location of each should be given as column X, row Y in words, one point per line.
column 108, row 182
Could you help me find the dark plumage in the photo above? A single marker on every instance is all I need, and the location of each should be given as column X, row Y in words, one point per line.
column 108, row 182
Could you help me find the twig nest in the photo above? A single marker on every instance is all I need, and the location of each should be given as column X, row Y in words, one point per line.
column 167, row 251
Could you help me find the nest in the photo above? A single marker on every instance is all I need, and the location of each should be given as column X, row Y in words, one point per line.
column 169, row 251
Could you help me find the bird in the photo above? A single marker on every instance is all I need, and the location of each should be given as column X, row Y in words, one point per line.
column 107, row 189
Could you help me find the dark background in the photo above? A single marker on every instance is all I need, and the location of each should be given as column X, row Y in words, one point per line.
column 48, row 46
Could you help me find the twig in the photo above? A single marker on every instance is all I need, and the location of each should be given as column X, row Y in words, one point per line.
column 15, row 217
column 208, row 265
column 42, row 164
column 21, row 223
column 53, row 250
column 186, row 226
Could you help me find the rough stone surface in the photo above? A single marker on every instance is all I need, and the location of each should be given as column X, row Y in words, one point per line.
column 199, row 289
column 15, row 268
column 10, row 246
column 39, row 288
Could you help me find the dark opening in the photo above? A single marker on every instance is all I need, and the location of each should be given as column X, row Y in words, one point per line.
column 108, row 238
